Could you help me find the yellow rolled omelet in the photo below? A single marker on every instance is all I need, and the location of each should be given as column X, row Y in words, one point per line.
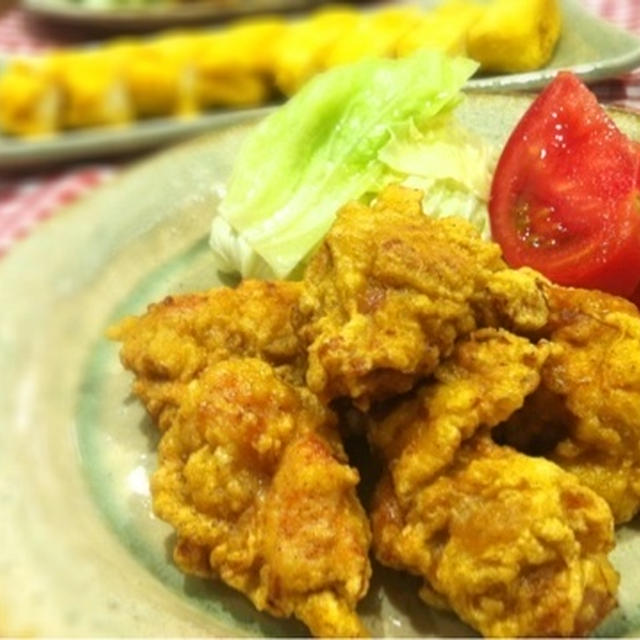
column 444, row 29
column 252, row 62
column 234, row 67
column 159, row 75
column 515, row 35
column 300, row 52
column 91, row 87
column 376, row 34
column 29, row 100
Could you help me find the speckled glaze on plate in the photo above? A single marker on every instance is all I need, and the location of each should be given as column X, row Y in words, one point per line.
column 80, row 552
column 592, row 48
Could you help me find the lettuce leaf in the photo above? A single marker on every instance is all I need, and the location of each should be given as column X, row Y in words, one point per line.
column 233, row 255
column 451, row 165
column 320, row 150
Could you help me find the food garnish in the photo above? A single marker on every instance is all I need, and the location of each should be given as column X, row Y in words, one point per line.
column 514, row 35
column 565, row 197
column 346, row 134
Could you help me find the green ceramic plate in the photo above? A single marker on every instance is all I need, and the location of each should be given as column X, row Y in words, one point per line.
column 80, row 551
column 592, row 48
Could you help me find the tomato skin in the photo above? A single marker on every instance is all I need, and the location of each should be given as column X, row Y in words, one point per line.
column 635, row 297
column 565, row 197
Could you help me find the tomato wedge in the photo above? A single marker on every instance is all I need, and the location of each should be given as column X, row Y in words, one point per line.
column 565, row 196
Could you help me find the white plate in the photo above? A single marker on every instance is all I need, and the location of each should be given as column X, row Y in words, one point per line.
column 80, row 552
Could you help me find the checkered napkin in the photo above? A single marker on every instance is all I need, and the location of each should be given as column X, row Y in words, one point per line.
column 25, row 200
column 21, row 34
column 625, row 89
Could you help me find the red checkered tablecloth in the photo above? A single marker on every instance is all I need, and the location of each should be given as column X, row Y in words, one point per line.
column 27, row 199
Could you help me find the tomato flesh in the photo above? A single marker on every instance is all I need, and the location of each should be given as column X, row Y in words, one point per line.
column 565, row 197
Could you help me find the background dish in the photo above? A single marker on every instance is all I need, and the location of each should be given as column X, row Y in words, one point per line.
column 591, row 47
column 81, row 554
column 162, row 13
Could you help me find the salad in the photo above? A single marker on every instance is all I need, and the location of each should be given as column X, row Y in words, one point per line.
column 346, row 134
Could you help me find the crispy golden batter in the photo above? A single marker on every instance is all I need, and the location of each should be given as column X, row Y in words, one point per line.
column 177, row 338
column 460, row 361
column 586, row 415
column 480, row 385
column 514, row 545
column 390, row 290
column 254, row 479
column 248, row 458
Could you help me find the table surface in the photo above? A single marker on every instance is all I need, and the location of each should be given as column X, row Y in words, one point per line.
column 28, row 198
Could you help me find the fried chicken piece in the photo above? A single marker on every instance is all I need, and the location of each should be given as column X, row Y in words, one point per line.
column 480, row 385
column 390, row 290
column 252, row 474
column 586, row 415
column 177, row 338
column 514, row 545
column 253, row 477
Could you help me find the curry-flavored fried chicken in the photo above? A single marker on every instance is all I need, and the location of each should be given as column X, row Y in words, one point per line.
column 252, row 474
column 586, row 415
column 487, row 378
column 253, row 477
column 390, row 290
column 457, row 357
column 177, row 338
column 514, row 545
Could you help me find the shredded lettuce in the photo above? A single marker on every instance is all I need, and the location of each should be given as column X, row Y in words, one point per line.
column 342, row 136
column 233, row 254
column 450, row 164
